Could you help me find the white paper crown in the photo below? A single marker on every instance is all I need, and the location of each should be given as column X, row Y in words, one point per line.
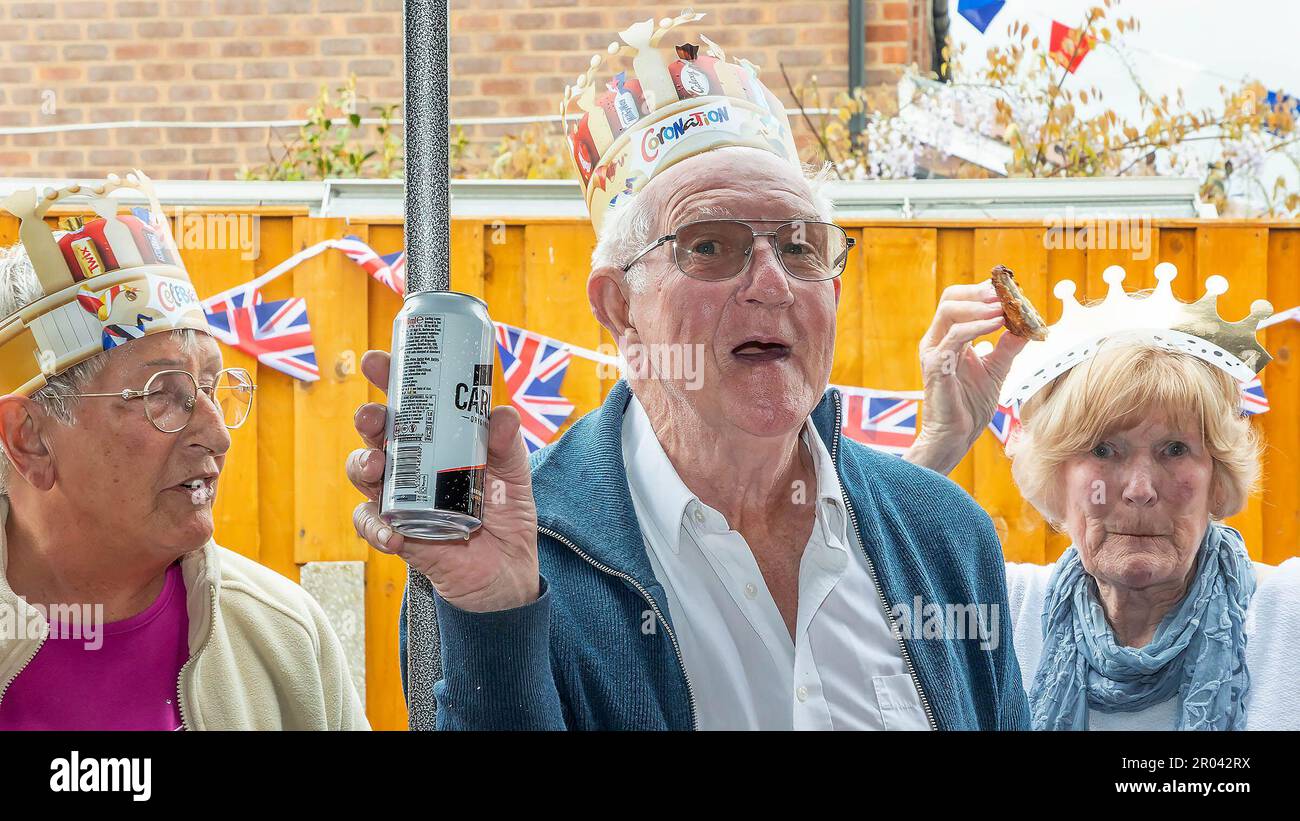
column 1157, row 318
column 637, row 125
column 104, row 282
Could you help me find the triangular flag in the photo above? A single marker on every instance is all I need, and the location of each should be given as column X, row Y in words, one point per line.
column 1282, row 104
column 389, row 269
column 980, row 12
column 880, row 420
column 1069, row 46
column 1253, row 400
column 1004, row 423
column 533, row 368
column 275, row 332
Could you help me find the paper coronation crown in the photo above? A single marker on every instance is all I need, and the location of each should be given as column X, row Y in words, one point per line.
column 105, row 282
column 1158, row 318
column 667, row 112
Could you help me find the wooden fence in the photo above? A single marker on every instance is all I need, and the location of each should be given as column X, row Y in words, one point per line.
column 284, row 499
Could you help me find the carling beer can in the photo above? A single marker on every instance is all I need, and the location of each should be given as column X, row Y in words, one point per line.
column 439, row 395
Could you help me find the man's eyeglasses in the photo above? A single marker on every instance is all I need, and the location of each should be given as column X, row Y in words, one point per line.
column 718, row 249
column 171, row 396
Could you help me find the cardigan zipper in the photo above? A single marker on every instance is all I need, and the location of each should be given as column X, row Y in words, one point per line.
column 681, row 663
column 180, row 677
column 23, row 666
column 871, row 568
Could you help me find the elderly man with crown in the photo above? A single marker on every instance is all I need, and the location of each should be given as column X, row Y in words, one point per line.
column 1131, row 440
column 711, row 558
column 117, row 610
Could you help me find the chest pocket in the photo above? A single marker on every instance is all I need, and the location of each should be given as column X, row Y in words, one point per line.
column 899, row 703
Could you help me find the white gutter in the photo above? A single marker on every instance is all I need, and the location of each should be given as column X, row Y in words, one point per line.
column 521, row 200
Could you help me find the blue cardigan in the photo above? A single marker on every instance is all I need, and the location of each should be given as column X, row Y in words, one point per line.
column 597, row 651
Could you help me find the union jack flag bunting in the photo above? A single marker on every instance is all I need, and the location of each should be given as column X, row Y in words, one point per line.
column 240, row 295
column 533, row 368
column 275, row 332
column 886, row 423
column 389, row 269
column 1004, row 423
column 1253, row 400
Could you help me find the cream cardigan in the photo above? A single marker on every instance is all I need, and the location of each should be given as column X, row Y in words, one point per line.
column 262, row 654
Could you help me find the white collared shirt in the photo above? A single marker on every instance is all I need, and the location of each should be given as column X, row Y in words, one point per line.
column 842, row 670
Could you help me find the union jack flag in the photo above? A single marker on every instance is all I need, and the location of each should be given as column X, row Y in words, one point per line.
column 389, row 269
column 275, row 332
column 886, row 423
column 1253, row 400
column 237, row 297
column 1004, row 423
column 533, row 368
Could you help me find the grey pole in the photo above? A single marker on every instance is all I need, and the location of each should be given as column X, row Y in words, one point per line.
column 428, row 215
column 857, row 59
column 428, row 268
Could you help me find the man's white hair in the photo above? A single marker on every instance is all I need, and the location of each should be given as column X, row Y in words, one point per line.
column 19, row 286
column 630, row 227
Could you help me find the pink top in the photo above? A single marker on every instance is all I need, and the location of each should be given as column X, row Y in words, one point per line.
column 127, row 683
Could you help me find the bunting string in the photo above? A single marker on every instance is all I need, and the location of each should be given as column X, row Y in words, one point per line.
column 534, row 365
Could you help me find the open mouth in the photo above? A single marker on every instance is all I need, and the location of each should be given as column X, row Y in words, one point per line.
column 757, row 350
column 201, row 489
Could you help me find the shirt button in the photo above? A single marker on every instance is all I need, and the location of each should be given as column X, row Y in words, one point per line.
column 751, row 590
column 801, row 694
column 699, row 516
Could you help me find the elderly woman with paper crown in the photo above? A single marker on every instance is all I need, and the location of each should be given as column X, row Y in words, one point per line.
column 117, row 610
column 711, row 558
column 1132, row 442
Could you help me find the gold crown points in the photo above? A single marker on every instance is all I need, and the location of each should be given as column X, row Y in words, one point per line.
column 1200, row 318
column 1159, row 317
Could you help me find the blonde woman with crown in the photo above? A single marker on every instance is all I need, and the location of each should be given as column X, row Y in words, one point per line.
column 1131, row 441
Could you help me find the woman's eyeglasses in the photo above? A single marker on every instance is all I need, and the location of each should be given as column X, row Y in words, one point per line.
column 169, row 397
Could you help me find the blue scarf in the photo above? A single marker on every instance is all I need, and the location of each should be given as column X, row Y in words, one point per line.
column 1198, row 651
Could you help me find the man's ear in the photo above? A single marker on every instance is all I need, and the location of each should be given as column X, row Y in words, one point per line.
column 22, row 423
column 609, row 303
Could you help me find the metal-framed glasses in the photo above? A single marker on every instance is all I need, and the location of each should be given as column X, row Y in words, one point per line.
column 719, row 249
column 169, row 397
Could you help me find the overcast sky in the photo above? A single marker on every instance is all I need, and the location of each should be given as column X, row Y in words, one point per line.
column 1198, row 45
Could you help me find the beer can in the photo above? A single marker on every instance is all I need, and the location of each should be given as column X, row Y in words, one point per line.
column 439, row 396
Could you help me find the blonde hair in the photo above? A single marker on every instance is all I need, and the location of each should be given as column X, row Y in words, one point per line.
column 1121, row 385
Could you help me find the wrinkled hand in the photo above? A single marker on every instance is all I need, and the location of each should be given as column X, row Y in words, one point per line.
column 496, row 568
column 961, row 389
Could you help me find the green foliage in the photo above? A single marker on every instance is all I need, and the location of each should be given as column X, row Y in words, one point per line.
column 332, row 143
column 538, row 152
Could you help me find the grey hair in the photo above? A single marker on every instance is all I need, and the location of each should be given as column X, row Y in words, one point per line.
column 19, row 286
column 629, row 227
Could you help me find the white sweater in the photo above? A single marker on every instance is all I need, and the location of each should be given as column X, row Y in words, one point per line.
column 1272, row 648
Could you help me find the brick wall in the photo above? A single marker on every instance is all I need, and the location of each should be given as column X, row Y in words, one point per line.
column 189, row 62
